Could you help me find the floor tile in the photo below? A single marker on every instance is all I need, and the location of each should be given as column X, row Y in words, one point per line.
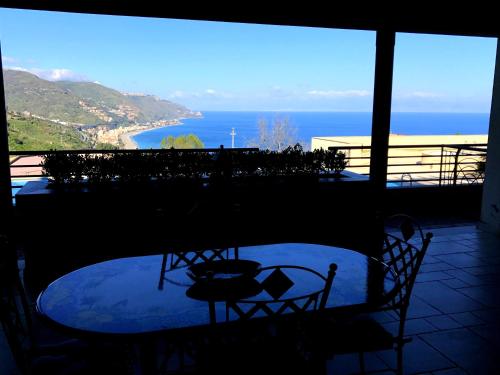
column 461, row 260
column 383, row 317
column 490, row 333
column 452, row 371
column 466, row 319
column 420, row 309
column 412, row 327
column 487, row 295
column 349, row 364
column 465, row 277
column 488, row 259
column 429, row 259
column 447, row 247
column 482, row 270
column 443, row 322
column 432, row 276
column 445, row 299
column 433, row 267
column 418, row 357
column 466, row 349
column 454, row 283
column 490, row 316
column 438, row 238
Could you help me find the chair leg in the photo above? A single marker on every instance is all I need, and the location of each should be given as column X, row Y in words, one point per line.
column 362, row 362
column 399, row 369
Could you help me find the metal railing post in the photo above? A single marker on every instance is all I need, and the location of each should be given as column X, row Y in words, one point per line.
column 455, row 168
column 441, row 165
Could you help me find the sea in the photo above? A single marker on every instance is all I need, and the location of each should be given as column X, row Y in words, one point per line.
column 215, row 128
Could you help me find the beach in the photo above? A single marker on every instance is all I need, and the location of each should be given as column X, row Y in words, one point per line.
column 122, row 137
column 126, row 140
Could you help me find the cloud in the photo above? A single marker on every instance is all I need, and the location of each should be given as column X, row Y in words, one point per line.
column 419, row 95
column 17, row 68
column 53, row 74
column 339, row 93
column 60, row 75
column 210, row 92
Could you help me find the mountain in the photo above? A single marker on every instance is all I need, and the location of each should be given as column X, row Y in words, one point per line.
column 85, row 103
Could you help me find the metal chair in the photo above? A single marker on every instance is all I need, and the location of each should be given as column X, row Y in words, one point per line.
column 276, row 282
column 182, row 259
column 36, row 348
column 14, row 308
column 265, row 334
column 404, row 248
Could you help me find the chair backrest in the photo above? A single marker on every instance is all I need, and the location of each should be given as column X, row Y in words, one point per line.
column 15, row 313
column 180, row 259
column 276, row 306
column 403, row 252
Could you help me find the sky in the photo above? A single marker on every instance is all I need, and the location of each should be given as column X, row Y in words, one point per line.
column 230, row 67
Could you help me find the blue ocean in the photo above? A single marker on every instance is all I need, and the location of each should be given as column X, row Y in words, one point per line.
column 215, row 127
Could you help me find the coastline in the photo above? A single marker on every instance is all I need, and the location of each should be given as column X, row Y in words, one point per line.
column 127, row 142
column 126, row 138
column 122, row 137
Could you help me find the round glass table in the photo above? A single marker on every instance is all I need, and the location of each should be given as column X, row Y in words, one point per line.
column 141, row 295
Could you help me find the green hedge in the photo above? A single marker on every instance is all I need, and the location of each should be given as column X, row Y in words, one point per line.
column 70, row 168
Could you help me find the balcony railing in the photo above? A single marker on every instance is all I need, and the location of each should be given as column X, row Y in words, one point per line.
column 408, row 165
column 424, row 164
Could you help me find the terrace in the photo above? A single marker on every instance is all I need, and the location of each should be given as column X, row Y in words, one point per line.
column 453, row 318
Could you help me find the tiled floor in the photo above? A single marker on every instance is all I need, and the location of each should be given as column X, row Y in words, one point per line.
column 454, row 318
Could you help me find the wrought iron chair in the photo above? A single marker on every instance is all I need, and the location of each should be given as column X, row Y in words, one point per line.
column 404, row 248
column 181, row 259
column 267, row 332
column 277, row 283
column 35, row 348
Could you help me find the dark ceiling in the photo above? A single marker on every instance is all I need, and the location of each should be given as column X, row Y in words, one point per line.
column 418, row 17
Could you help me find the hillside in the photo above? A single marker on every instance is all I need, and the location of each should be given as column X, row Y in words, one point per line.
column 35, row 134
column 84, row 103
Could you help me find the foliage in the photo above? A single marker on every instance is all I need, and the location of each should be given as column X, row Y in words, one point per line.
column 280, row 135
column 481, row 166
column 34, row 134
column 182, row 141
column 167, row 165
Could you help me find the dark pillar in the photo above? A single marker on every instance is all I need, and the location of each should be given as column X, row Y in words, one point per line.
column 381, row 120
column 381, row 126
column 6, row 208
column 490, row 211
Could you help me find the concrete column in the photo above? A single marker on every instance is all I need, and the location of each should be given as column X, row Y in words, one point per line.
column 381, row 118
column 490, row 210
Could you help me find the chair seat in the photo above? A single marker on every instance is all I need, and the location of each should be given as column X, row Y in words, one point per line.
column 347, row 336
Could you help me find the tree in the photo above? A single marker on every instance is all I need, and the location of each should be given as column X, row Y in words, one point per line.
column 182, row 141
column 281, row 134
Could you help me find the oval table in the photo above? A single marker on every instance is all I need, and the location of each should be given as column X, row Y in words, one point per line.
column 131, row 296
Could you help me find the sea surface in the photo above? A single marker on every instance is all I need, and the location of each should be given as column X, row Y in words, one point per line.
column 215, row 127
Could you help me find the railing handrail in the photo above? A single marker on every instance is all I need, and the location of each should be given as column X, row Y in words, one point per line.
column 132, row 151
column 428, row 145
